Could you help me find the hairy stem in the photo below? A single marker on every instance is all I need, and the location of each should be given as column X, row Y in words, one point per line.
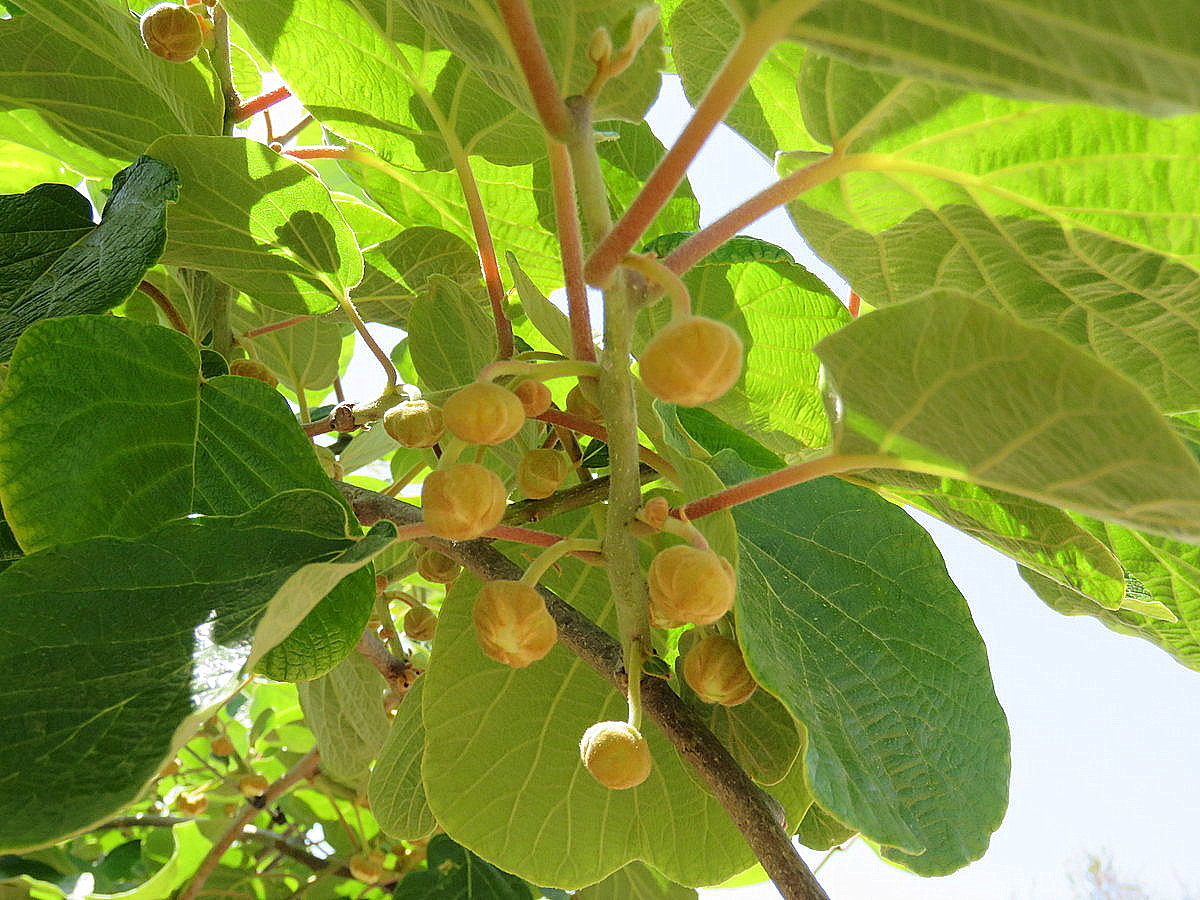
column 750, row 808
column 585, row 426
column 305, row 768
column 535, row 65
column 834, row 464
column 570, row 240
column 393, row 669
column 223, row 67
column 163, row 302
column 255, row 105
column 763, row 32
column 716, row 233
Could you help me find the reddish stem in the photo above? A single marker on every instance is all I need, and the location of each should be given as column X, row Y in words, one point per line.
column 320, row 152
column 854, row 305
column 833, row 464
column 570, row 239
column 535, row 64
column 163, row 302
column 255, row 105
column 716, row 233
column 275, row 326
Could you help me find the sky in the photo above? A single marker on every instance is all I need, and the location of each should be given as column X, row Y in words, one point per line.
column 1105, row 728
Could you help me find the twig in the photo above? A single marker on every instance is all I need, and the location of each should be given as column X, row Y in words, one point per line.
column 163, row 302
column 394, row 670
column 285, row 845
column 275, row 326
column 579, row 495
column 222, row 64
column 305, row 768
column 746, row 803
column 590, row 428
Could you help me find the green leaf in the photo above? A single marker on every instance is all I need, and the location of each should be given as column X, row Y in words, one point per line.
column 973, row 395
column 344, row 709
column 845, row 612
column 110, row 644
column 396, row 793
column 550, row 321
column 259, row 222
column 79, row 69
column 513, row 196
column 1108, row 52
column 156, row 442
column 190, row 848
column 628, row 154
column 455, row 873
column 304, row 356
column 1162, row 604
column 490, row 726
column 451, row 334
column 64, row 267
column 636, row 880
column 780, row 310
column 398, row 269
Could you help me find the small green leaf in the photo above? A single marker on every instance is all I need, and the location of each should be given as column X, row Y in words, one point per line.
column 304, row 356
column 636, row 880
column 451, row 335
column 64, row 267
column 455, row 873
column 344, row 709
column 396, row 793
column 846, row 613
column 821, row 831
column 973, row 394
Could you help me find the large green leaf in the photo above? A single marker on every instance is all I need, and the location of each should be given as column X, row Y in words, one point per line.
column 846, row 613
column 1110, row 52
column 426, row 95
column 502, row 730
column 140, row 438
column 1036, row 535
column 1077, row 219
column 79, row 68
column 974, row 395
column 57, row 263
column 780, row 310
column 21, row 167
column 258, row 221
column 109, row 645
